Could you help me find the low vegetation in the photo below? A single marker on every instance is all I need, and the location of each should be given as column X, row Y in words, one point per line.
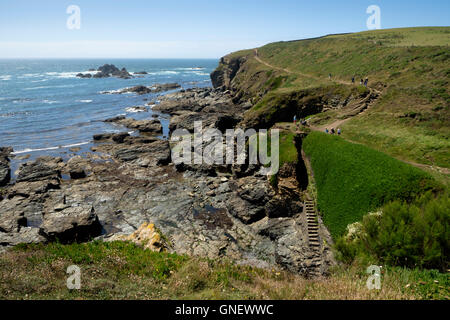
column 121, row 270
column 353, row 180
column 415, row 235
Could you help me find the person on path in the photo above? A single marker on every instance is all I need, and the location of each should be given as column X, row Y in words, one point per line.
column 295, row 119
column 353, row 80
column 361, row 82
column 326, row 130
column 329, row 76
column 339, row 131
column 366, row 82
column 332, row 131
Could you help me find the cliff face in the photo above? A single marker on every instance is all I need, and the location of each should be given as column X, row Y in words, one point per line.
column 225, row 73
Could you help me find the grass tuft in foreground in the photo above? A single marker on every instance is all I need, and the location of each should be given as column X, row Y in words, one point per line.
column 121, row 270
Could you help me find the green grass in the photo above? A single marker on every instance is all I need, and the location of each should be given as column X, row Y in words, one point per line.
column 409, row 66
column 124, row 271
column 353, row 180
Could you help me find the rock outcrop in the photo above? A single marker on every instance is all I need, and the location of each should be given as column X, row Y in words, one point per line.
column 66, row 223
column 140, row 90
column 5, row 171
column 225, row 73
column 106, row 71
column 43, row 168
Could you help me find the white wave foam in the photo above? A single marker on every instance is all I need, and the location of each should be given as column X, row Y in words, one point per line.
column 201, row 73
column 5, row 77
column 30, row 75
column 50, row 101
column 84, row 101
column 190, row 69
column 27, row 150
column 135, row 109
column 161, row 73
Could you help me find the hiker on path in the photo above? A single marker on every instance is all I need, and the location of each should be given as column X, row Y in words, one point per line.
column 339, row 131
column 329, row 76
column 361, row 82
column 353, row 80
column 366, row 82
column 332, row 131
column 326, row 130
column 295, row 119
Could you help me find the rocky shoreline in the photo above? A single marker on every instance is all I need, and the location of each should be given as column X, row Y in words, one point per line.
column 206, row 210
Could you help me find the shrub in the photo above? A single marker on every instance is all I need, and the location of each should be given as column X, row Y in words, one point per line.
column 413, row 235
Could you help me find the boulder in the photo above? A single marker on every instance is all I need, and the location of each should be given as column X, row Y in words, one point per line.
column 120, row 137
column 70, row 224
column 76, row 168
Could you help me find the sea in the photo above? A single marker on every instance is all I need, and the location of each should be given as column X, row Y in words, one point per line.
column 46, row 109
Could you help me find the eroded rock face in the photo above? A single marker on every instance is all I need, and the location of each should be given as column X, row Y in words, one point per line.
column 228, row 67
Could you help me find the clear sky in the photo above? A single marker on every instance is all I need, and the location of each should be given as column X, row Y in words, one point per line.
column 190, row 28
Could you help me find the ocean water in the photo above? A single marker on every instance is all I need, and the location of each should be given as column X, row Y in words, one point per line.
column 45, row 108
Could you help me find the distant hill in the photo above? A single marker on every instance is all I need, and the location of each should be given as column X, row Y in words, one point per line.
column 404, row 112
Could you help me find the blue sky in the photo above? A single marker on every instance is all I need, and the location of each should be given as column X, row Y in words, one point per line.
column 190, row 29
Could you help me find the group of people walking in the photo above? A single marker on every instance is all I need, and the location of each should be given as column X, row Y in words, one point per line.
column 302, row 121
column 332, row 131
column 364, row 82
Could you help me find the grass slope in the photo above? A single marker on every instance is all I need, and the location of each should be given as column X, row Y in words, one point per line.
column 409, row 66
column 121, row 270
column 352, row 179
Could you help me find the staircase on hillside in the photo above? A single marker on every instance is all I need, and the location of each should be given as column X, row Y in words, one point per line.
column 313, row 238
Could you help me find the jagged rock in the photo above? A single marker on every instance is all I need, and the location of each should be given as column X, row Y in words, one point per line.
column 137, row 89
column 43, row 168
column 120, row 137
column 157, row 153
column 165, row 87
column 84, row 75
column 102, row 136
column 12, row 214
column 76, row 168
column 147, row 126
column 25, row 235
column 5, row 171
column 71, row 224
column 115, row 119
column 109, row 70
column 141, row 72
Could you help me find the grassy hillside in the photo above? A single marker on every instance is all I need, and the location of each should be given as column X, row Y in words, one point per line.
column 352, row 179
column 408, row 67
column 120, row 270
